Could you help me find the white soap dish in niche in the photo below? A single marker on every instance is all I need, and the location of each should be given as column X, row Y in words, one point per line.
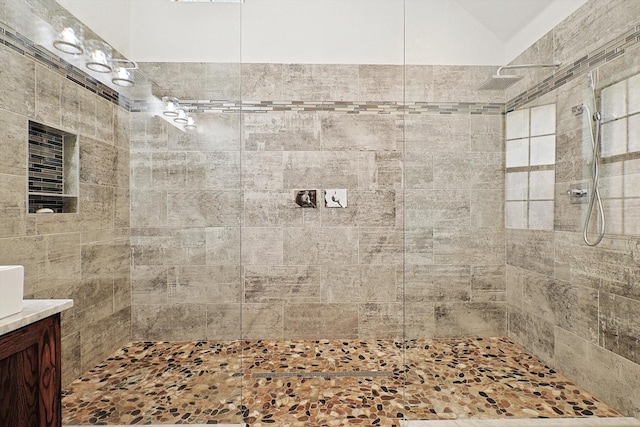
column 11, row 289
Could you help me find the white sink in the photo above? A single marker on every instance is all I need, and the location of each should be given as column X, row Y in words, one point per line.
column 11, row 289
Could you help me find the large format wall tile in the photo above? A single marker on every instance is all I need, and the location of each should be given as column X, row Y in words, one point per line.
column 169, row 322
column 277, row 131
column 380, row 320
column 83, row 255
column 204, row 284
column 262, row 320
column 612, row 377
column 575, row 305
column 293, row 284
column 360, row 283
column 470, row 318
column 619, row 325
column 437, row 283
column 318, row 273
column 326, row 320
column 18, row 76
column 358, row 132
column 48, row 93
column 203, row 208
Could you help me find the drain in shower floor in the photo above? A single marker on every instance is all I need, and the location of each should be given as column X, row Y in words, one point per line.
column 352, row 374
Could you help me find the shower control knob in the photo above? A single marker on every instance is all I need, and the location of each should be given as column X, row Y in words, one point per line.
column 576, row 192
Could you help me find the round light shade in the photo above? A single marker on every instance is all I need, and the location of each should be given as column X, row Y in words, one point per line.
column 122, row 77
column 68, row 35
column 99, row 56
column 170, row 108
column 191, row 124
column 182, row 118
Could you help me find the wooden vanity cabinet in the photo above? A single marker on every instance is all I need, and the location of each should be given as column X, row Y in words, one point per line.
column 30, row 375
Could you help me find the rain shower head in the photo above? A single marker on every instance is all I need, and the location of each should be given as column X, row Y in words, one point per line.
column 502, row 81
column 499, row 82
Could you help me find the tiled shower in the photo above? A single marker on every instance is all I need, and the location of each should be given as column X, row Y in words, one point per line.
column 458, row 222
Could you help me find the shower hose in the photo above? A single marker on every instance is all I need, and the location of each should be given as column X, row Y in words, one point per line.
column 594, row 194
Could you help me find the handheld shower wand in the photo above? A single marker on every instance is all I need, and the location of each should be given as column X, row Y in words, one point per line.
column 594, row 195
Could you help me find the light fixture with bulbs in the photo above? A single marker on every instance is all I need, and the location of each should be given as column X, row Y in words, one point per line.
column 69, row 35
column 170, row 106
column 99, row 56
column 191, row 123
column 68, row 38
column 123, row 72
column 177, row 114
column 182, row 117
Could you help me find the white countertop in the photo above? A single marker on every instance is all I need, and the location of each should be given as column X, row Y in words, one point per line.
column 33, row 310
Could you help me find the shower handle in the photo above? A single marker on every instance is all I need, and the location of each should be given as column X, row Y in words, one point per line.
column 577, row 192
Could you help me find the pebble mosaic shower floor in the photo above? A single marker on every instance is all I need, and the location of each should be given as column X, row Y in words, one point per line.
column 323, row 383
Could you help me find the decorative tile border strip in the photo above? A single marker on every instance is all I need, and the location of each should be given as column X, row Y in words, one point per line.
column 352, row 374
column 29, row 49
column 608, row 52
column 346, row 107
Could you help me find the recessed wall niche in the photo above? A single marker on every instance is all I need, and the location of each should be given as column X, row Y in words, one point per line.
column 53, row 169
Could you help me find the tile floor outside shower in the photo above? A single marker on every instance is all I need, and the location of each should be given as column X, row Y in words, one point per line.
column 323, row 383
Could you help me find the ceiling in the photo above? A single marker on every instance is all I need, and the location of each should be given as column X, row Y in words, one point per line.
column 504, row 18
column 440, row 30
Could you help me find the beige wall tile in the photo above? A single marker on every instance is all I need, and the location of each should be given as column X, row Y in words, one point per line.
column 203, row 208
column 380, row 246
column 262, row 246
column 338, row 321
column 262, row 81
column 151, row 284
column 272, row 209
column 611, row 377
column 290, row 284
column 223, row 245
column 380, row 321
column 332, row 169
column 619, row 326
column 48, row 92
column 419, row 320
column 17, row 90
column 532, row 332
column 204, row 284
column 277, row 131
column 98, row 162
column 101, row 337
column 470, row 318
column 14, row 144
column 343, row 132
column 223, row 321
column 319, row 82
column 381, row 82
column 263, row 321
column 359, row 283
column 429, row 283
column 169, row 322
column 71, row 368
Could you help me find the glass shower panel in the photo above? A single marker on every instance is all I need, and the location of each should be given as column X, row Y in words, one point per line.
column 187, row 202
column 453, row 202
column 322, row 310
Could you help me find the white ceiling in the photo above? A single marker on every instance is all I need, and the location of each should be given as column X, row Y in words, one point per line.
column 504, row 18
column 446, row 32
